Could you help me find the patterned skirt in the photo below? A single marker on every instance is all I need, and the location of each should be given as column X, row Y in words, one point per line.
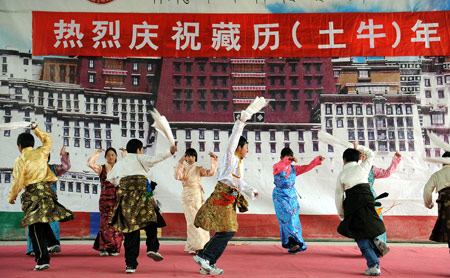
column 108, row 237
column 40, row 205
column 133, row 210
column 441, row 230
column 218, row 213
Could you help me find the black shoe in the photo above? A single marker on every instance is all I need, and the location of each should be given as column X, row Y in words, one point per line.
column 130, row 270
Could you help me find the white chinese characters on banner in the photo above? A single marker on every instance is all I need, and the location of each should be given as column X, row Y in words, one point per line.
column 424, row 35
column 371, row 36
column 331, row 31
column 101, row 27
column 226, row 35
column 185, row 34
column 146, row 35
column 267, row 33
column 65, row 33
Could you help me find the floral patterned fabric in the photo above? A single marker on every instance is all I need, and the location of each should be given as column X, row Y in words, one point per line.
column 287, row 208
column 441, row 230
column 133, row 210
column 40, row 205
column 218, row 213
column 108, row 238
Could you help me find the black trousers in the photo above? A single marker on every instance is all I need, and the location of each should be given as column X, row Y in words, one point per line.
column 215, row 247
column 132, row 243
column 41, row 236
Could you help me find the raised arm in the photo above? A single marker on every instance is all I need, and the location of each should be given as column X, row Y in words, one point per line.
column 379, row 173
column 92, row 162
column 62, row 168
column 281, row 165
column 213, row 169
column 367, row 164
column 300, row 169
column 46, row 140
column 179, row 169
column 148, row 161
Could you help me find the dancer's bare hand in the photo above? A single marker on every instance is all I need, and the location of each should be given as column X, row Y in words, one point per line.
column 398, row 155
column 12, row 202
column 99, row 151
column 124, row 152
column 173, row 149
column 293, row 159
column 211, row 154
column 63, row 151
column 355, row 146
column 430, row 206
column 183, row 159
column 256, row 194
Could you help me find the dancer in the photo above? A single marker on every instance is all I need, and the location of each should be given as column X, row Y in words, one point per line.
column 285, row 199
column 109, row 240
column 39, row 201
column 218, row 213
column 58, row 170
column 440, row 181
column 134, row 209
column 378, row 173
column 193, row 198
column 360, row 220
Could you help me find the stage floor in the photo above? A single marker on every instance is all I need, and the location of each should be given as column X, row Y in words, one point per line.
column 256, row 259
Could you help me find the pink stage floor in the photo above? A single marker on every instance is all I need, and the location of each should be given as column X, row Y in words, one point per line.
column 237, row 261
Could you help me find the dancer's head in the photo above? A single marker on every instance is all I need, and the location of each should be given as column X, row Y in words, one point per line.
column 286, row 152
column 242, row 147
column 350, row 155
column 25, row 140
column 191, row 156
column 135, row 146
column 111, row 156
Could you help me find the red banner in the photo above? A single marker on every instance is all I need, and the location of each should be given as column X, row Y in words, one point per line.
column 241, row 35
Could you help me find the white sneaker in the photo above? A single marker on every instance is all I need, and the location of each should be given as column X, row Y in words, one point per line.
column 115, row 254
column 373, row 271
column 204, row 264
column 155, row 256
column 41, row 267
column 54, row 249
column 103, row 253
column 381, row 246
column 216, row 271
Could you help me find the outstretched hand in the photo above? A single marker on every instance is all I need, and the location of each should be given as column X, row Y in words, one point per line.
column 398, row 155
column 63, row 151
column 173, row 149
column 212, row 155
column 124, row 152
column 355, row 146
column 321, row 158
